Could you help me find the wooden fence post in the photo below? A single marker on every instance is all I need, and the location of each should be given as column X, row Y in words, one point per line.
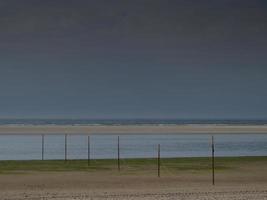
column 66, row 148
column 213, row 160
column 119, row 164
column 42, row 146
column 88, row 151
column 159, row 160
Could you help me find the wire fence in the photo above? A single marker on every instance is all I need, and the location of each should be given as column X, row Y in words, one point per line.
column 123, row 148
column 56, row 147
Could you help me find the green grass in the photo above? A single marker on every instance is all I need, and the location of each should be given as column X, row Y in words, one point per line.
column 131, row 165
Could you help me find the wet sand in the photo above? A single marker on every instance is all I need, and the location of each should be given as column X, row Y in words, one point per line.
column 133, row 129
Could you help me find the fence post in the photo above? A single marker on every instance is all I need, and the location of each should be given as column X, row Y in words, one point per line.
column 66, row 148
column 213, row 163
column 88, row 150
column 158, row 160
column 119, row 164
column 42, row 146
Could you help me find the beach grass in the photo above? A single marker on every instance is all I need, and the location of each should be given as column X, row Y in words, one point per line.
column 136, row 165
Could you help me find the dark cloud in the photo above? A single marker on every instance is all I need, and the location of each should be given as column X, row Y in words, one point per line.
column 143, row 58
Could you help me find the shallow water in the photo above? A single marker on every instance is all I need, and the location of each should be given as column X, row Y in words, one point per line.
column 29, row 147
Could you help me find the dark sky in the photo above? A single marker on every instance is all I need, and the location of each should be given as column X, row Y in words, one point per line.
column 133, row 58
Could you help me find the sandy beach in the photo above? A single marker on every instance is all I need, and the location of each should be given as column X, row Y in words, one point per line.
column 132, row 129
column 239, row 179
column 85, row 186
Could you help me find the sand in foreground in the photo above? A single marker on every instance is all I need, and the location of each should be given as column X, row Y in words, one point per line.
column 242, row 180
column 83, row 186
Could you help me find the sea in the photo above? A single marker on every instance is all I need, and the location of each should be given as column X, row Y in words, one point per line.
column 32, row 147
column 131, row 121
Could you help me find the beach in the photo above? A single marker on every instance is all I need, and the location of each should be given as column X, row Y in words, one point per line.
column 242, row 179
column 236, row 180
column 132, row 129
column 66, row 186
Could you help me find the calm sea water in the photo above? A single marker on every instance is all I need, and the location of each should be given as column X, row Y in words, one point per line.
column 28, row 147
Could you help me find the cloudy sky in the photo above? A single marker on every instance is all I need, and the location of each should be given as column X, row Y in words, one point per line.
column 133, row 58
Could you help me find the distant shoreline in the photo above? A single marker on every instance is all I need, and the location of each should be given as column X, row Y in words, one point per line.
column 133, row 129
column 139, row 122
